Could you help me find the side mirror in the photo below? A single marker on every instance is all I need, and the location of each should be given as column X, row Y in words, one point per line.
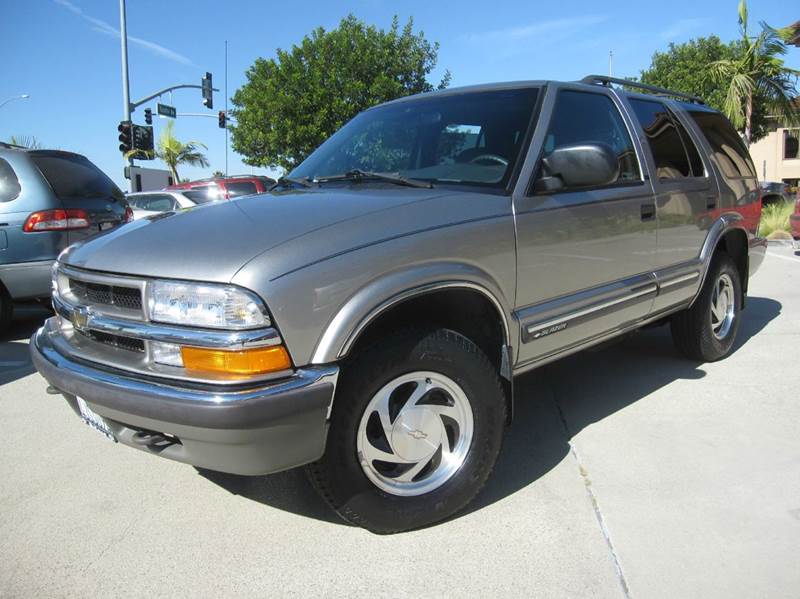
column 579, row 165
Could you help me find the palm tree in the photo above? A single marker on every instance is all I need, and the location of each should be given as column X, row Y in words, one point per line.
column 757, row 71
column 174, row 152
column 26, row 141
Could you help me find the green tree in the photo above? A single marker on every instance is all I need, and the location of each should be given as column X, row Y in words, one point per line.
column 292, row 103
column 756, row 72
column 683, row 67
column 174, row 152
column 217, row 174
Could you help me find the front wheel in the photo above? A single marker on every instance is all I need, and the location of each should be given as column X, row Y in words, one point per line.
column 416, row 427
column 707, row 330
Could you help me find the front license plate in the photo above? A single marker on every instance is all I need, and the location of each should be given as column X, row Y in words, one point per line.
column 95, row 421
column 104, row 226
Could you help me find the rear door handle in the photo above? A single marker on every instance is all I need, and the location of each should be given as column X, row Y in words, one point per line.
column 648, row 211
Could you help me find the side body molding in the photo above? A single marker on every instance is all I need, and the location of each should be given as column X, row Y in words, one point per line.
column 369, row 302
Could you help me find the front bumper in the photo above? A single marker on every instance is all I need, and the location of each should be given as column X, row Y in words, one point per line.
column 253, row 431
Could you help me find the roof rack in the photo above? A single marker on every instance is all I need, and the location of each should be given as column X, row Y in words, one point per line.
column 5, row 144
column 661, row 91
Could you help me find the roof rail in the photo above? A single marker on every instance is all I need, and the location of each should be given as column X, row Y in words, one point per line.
column 5, row 144
column 661, row 91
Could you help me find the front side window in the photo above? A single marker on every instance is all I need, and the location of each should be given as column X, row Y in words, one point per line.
column 590, row 118
column 673, row 151
column 472, row 138
column 726, row 145
column 9, row 184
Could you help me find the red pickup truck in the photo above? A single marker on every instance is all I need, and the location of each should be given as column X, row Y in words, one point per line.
column 225, row 188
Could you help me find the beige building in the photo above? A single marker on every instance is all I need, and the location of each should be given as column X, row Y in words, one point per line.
column 776, row 156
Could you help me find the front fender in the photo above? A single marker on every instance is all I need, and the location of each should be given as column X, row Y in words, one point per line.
column 368, row 302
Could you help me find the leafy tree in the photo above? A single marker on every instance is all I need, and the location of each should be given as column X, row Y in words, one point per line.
column 174, row 152
column 217, row 174
column 757, row 72
column 683, row 67
column 292, row 103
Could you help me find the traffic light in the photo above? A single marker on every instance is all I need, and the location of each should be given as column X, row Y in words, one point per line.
column 143, row 142
column 208, row 91
column 148, row 116
column 125, row 136
column 222, row 119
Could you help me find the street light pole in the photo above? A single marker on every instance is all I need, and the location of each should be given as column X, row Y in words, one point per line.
column 126, row 92
column 226, row 108
column 12, row 98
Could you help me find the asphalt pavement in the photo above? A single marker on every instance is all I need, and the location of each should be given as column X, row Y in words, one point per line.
column 628, row 472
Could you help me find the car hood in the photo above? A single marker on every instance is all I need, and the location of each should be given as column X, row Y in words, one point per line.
column 213, row 241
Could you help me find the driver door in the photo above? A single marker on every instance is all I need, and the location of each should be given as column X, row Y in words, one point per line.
column 584, row 255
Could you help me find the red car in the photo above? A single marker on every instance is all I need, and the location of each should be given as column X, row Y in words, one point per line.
column 794, row 220
column 225, row 188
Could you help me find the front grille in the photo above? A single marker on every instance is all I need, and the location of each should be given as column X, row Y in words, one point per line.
column 127, row 298
column 118, row 341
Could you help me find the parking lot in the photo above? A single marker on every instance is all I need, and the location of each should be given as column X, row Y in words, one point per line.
column 628, row 471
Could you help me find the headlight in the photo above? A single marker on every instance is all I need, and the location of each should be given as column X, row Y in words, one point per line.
column 206, row 305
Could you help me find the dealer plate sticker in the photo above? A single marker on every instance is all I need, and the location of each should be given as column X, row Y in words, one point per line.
column 95, row 421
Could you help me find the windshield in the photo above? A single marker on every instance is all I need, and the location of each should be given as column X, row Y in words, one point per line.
column 471, row 138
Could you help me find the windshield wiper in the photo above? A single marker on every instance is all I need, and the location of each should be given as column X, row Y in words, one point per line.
column 359, row 175
column 286, row 181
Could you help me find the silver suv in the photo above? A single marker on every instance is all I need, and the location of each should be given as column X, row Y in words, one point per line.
column 369, row 316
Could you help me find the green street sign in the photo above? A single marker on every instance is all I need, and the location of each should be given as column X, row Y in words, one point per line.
column 165, row 110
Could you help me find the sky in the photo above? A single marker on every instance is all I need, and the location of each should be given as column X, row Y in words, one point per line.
column 66, row 54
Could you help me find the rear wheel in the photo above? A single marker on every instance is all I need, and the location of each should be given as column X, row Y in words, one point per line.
column 415, row 431
column 707, row 330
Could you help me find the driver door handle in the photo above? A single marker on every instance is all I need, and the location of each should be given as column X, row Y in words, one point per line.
column 648, row 211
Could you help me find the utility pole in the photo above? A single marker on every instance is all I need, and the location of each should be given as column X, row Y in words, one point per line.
column 226, row 108
column 126, row 92
column 610, row 58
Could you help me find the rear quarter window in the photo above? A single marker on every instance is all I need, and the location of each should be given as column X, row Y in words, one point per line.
column 726, row 145
column 9, row 184
column 240, row 188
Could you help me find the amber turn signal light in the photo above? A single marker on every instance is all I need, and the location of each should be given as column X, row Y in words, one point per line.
column 259, row 360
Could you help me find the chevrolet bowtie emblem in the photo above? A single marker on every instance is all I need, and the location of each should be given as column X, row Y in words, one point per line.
column 80, row 318
column 417, row 434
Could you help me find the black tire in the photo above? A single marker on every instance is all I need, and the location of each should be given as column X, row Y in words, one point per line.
column 692, row 330
column 6, row 310
column 338, row 475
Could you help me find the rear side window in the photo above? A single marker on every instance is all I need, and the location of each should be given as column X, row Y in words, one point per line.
column 674, row 153
column 74, row 176
column 9, row 184
column 240, row 188
column 201, row 195
column 156, row 203
column 727, row 146
column 581, row 117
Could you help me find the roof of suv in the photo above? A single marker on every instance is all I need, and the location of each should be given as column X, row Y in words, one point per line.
column 590, row 81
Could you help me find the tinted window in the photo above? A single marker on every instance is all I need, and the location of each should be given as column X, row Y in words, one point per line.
column 74, row 176
column 727, row 146
column 200, row 195
column 470, row 138
column 156, row 202
column 584, row 118
column 668, row 141
column 240, row 188
column 9, row 184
